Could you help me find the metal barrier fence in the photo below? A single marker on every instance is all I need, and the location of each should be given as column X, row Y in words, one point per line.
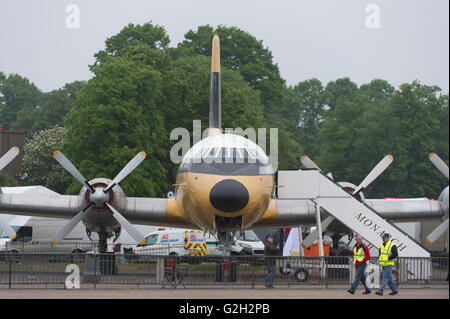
column 43, row 247
column 91, row 269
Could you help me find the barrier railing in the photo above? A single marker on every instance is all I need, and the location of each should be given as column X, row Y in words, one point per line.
column 87, row 269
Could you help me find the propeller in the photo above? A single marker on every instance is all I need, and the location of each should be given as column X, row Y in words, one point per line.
column 126, row 170
column 374, row 173
column 69, row 167
column 437, row 232
column 8, row 157
column 137, row 236
column 5, row 160
column 440, row 164
column 443, row 227
column 99, row 196
column 70, row 225
column 308, row 163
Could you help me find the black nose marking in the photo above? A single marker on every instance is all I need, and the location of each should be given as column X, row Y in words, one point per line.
column 229, row 196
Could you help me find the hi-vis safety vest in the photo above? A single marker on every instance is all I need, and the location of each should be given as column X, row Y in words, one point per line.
column 358, row 255
column 385, row 252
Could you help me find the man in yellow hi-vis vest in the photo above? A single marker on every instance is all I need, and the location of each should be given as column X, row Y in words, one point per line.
column 361, row 256
column 388, row 253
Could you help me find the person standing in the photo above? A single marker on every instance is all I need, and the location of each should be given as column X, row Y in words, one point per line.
column 361, row 256
column 387, row 254
column 270, row 250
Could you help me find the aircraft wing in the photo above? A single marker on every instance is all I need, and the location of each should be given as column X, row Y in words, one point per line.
column 40, row 201
column 407, row 209
column 37, row 201
column 288, row 212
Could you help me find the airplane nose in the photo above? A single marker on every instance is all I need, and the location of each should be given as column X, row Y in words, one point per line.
column 229, row 196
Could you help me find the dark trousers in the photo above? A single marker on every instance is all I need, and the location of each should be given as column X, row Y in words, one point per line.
column 268, row 280
column 360, row 276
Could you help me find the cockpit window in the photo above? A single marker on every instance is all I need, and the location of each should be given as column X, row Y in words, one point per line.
column 227, row 161
column 226, row 154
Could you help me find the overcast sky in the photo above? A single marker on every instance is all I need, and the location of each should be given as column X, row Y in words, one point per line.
column 324, row 39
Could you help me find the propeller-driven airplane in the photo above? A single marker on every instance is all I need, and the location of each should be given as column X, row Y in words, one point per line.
column 224, row 183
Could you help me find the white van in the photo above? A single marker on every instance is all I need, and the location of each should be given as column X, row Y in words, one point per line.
column 246, row 243
column 176, row 242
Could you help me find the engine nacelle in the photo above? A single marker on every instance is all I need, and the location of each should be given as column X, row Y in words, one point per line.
column 98, row 217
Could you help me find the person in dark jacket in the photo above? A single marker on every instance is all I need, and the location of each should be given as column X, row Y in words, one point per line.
column 270, row 250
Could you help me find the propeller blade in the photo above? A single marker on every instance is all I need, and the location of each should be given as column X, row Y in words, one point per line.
column 137, row 236
column 440, row 164
column 376, row 171
column 70, row 225
column 8, row 230
column 308, row 163
column 68, row 166
column 437, row 232
column 312, row 237
column 127, row 169
column 8, row 157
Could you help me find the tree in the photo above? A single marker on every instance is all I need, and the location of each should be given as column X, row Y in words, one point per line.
column 410, row 126
column 52, row 110
column 6, row 181
column 16, row 94
column 239, row 51
column 153, row 36
column 114, row 119
column 408, row 123
column 304, row 109
column 56, row 105
column 187, row 92
column 39, row 166
column 338, row 135
column 335, row 89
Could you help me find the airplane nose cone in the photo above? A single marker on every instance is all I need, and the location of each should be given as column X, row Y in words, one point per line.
column 229, row 196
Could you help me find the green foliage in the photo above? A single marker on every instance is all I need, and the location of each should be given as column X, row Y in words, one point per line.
column 187, row 96
column 115, row 118
column 52, row 110
column 153, row 36
column 5, row 180
column 39, row 166
column 17, row 95
column 239, row 51
column 408, row 123
column 304, row 110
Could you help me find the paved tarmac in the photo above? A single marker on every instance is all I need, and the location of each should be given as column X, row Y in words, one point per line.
column 440, row 292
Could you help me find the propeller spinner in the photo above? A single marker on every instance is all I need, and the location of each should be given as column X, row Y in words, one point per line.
column 99, row 196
